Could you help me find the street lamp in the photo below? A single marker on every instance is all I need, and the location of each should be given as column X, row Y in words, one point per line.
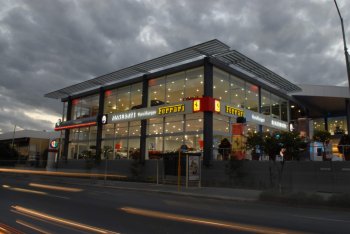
column 345, row 48
column 347, row 103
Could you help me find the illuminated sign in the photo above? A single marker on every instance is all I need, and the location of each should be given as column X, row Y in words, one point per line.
column 54, row 144
column 196, row 105
column 217, row 106
column 258, row 118
column 233, row 111
column 171, row 109
column 140, row 114
column 104, row 119
column 279, row 124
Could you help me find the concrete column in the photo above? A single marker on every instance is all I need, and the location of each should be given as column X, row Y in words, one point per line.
column 67, row 131
column 143, row 146
column 208, row 116
column 99, row 124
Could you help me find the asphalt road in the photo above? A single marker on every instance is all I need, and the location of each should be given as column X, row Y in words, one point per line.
column 29, row 206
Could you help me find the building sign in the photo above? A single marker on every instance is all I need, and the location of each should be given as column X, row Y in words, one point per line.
column 217, row 106
column 258, row 118
column 196, row 105
column 151, row 112
column 54, row 144
column 233, row 111
column 104, row 119
column 171, row 109
column 279, row 124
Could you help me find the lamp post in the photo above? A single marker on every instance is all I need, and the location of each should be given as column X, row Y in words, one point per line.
column 347, row 103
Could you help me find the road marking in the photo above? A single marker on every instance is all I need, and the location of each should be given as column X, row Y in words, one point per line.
column 37, row 214
column 322, row 219
column 208, row 222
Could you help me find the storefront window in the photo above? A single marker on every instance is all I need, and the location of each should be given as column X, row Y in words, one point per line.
column 155, row 126
column 135, row 128
column 194, row 122
column 194, row 83
column 319, row 124
column 275, row 106
column 121, row 129
column 175, row 87
column 156, row 92
column 85, row 107
column 252, row 97
column 221, row 86
column 284, row 110
column 237, row 92
column 108, row 131
column 337, row 125
column 154, row 147
column 221, row 124
column 172, row 143
column 123, row 98
column 265, row 102
column 174, row 124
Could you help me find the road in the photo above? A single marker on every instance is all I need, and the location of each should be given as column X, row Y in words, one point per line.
column 45, row 206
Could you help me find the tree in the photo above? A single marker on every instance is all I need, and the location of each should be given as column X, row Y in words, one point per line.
column 255, row 142
column 8, row 155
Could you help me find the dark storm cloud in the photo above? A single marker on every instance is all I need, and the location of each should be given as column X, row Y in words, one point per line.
column 48, row 45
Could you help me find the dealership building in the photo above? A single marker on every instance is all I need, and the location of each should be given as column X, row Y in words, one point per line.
column 195, row 97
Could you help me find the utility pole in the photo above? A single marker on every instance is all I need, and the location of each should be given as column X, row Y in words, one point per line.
column 347, row 67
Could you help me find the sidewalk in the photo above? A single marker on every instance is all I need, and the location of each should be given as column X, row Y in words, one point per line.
column 230, row 194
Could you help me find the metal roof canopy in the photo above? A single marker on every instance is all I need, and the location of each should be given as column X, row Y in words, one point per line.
column 235, row 58
column 213, row 48
column 208, row 48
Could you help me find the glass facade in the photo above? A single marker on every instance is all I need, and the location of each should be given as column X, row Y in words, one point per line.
column 85, row 107
column 167, row 133
column 176, row 87
column 123, row 99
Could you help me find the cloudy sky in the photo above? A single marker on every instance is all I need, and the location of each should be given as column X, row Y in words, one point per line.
column 48, row 45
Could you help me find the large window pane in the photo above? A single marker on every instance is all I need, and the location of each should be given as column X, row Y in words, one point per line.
column 194, row 83
column 275, row 106
column 265, row 102
column 175, row 87
column 221, row 85
column 237, row 89
column 194, row 122
column 172, row 143
column 156, row 91
column 252, row 97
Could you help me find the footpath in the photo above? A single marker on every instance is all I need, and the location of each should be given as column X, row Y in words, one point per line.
column 98, row 180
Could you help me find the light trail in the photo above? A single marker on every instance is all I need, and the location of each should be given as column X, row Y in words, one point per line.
column 208, row 222
column 41, row 215
column 33, row 227
column 23, row 190
column 54, row 187
column 66, row 174
column 5, row 229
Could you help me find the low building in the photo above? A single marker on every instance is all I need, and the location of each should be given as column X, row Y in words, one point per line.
column 29, row 143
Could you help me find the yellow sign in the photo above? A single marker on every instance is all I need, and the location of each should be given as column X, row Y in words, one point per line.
column 234, row 111
column 196, row 105
column 171, row 109
column 217, row 106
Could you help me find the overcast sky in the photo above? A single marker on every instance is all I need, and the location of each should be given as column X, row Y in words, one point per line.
column 48, row 45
